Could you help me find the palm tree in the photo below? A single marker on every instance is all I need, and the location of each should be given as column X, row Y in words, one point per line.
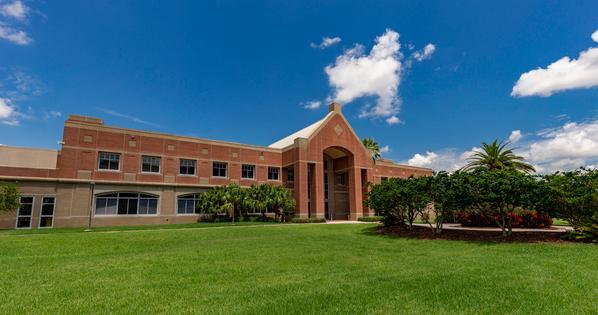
column 496, row 156
column 372, row 145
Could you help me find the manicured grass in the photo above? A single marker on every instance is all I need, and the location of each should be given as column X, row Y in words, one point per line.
column 311, row 268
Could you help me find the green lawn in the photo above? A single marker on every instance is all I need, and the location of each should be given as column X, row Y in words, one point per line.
column 281, row 268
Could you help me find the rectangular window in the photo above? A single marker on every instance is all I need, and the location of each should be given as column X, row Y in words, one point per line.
column 25, row 212
column 187, row 204
column 46, row 216
column 150, row 164
column 273, row 173
column 290, row 175
column 109, row 161
column 126, row 204
column 219, row 169
column 187, row 167
column 247, row 171
column 341, row 179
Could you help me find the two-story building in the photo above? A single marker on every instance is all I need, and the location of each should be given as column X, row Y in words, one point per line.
column 104, row 176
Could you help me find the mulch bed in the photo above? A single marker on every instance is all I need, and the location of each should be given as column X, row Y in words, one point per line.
column 420, row 232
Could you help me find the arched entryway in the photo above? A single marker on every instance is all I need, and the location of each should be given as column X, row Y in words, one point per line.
column 336, row 163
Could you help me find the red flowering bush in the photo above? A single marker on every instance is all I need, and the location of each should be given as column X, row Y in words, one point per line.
column 523, row 219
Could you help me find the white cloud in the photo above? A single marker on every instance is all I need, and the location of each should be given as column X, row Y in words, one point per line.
column 326, row 42
column 16, row 10
column 515, row 136
column 8, row 113
column 312, row 105
column 443, row 160
column 427, row 52
column 563, row 74
column 355, row 74
column 385, row 149
column 16, row 36
column 393, row 120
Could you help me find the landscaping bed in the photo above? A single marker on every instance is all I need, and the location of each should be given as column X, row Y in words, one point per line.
column 420, row 232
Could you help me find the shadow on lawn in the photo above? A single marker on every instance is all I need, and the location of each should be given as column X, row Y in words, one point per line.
column 482, row 237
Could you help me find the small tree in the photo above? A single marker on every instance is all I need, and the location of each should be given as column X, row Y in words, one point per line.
column 385, row 200
column 446, row 194
column 9, row 198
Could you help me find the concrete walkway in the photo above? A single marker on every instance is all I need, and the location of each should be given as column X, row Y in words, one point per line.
column 347, row 222
column 457, row 226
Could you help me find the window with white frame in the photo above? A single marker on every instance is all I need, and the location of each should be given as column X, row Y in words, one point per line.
column 46, row 215
column 273, row 173
column 247, row 171
column 126, row 203
column 25, row 212
column 150, row 164
column 187, row 204
column 109, row 161
column 187, row 167
column 219, row 169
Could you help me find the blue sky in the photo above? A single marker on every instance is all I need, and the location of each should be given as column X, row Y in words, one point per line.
column 245, row 71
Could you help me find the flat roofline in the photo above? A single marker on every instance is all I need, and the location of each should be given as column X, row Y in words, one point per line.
column 172, row 136
column 28, row 148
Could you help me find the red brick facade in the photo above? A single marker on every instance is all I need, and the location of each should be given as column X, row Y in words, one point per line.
column 333, row 140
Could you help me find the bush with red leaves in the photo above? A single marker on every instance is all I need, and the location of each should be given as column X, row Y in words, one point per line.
column 523, row 219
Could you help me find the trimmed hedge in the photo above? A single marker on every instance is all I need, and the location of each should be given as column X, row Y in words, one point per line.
column 307, row 220
column 523, row 219
column 373, row 218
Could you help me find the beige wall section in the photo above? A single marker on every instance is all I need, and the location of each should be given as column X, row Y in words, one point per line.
column 29, row 158
column 73, row 202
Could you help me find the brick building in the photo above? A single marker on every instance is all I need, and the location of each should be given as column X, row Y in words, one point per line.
column 107, row 176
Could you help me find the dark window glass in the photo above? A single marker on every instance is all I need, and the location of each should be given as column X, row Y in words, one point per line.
column 109, row 161
column 126, row 203
column 341, row 179
column 150, row 164
column 219, row 169
column 24, row 212
column 384, row 179
column 122, row 206
column 24, row 222
column 247, row 171
column 187, row 167
column 187, row 204
column 273, row 173
column 290, row 175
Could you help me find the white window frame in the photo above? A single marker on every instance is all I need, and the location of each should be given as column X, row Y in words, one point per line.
column 153, row 157
column 252, row 172
column 225, row 169
column 41, row 215
column 194, row 167
column 192, row 196
column 277, row 174
column 118, row 198
column 30, row 216
column 107, row 169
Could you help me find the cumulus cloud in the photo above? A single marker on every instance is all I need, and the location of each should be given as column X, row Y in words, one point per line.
column 563, row 74
column 326, row 42
column 8, row 113
column 16, row 10
column 385, row 149
column 312, row 105
column 356, row 74
column 572, row 145
column 393, row 120
column 13, row 35
column 515, row 136
column 424, row 54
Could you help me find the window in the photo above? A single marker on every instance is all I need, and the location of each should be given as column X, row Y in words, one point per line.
column 46, row 216
column 290, row 175
column 383, row 179
column 247, row 171
column 273, row 173
column 187, row 167
column 219, row 169
column 187, row 204
column 341, row 179
column 150, row 164
column 126, row 203
column 24, row 213
column 109, row 161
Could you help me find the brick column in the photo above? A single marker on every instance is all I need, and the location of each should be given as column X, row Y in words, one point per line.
column 300, row 182
column 355, row 196
column 317, row 191
column 369, row 179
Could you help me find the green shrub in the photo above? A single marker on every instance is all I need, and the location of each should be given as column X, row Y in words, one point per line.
column 307, row 220
column 372, row 218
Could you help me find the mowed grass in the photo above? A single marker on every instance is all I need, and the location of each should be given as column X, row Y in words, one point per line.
column 310, row 268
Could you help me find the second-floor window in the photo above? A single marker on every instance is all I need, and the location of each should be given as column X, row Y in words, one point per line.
column 187, row 167
column 150, row 164
column 273, row 173
column 247, row 171
column 109, row 161
column 218, row 169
